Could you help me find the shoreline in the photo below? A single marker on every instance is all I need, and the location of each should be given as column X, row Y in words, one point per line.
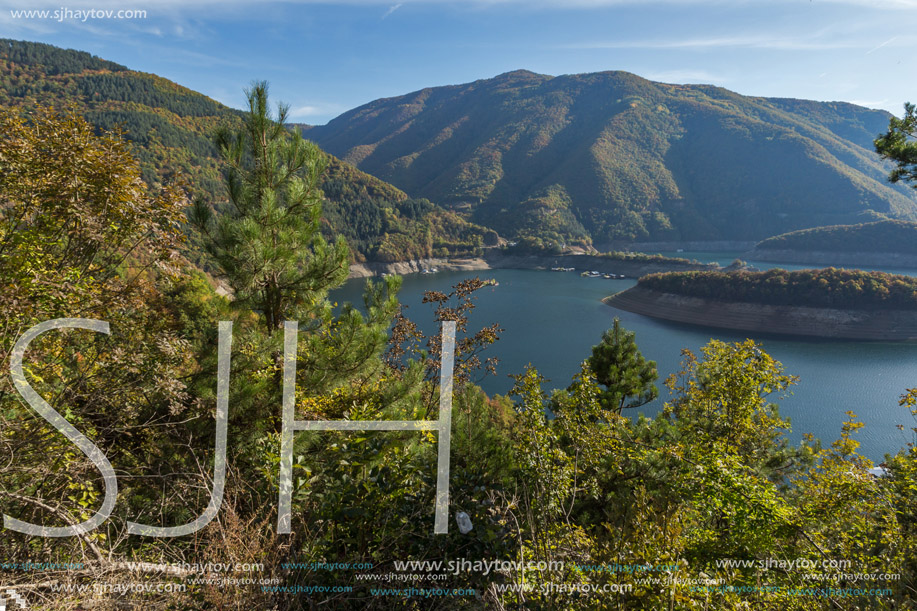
column 822, row 258
column 696, row 246
column 498, row 260
column 829, row 323
column 832, row 258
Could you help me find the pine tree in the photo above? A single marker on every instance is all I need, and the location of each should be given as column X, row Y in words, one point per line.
column 899, row 146
column 619, row 366
column 266, row 239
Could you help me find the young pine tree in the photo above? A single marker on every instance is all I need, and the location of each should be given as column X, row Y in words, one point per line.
column 266, row 239
column 619, row 366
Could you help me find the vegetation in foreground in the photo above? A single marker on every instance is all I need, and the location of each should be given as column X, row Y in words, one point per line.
column 706, row 506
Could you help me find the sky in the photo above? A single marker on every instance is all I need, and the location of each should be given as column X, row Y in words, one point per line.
column 323, row 58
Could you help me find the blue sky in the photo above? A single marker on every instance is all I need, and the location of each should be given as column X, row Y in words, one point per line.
column 323, row 58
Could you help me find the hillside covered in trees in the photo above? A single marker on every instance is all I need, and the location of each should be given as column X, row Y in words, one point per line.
column 887, row 236
column 548, row 161
column 612, row 157
column 816, row 288
column 172, row 129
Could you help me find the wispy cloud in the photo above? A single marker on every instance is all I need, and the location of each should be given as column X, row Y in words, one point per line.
column 24, row 27
column 392, row 9
column 166, row 7
column 189, row 4
column 102, row 4
column 870, row 103
column 751, row 42
column 876, row 48
column 879, row 4
column 686, row 76
column 315, row 110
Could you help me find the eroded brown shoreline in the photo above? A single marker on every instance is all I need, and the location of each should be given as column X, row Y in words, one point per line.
column 879, row 325
column 497, row 260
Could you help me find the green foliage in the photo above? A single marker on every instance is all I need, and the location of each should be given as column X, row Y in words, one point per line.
column 58, row 61
column 646, row 258
column 618, row 365
column 898, row 145
column 848, row 513
column 878, row 236
column 816, row 288
column 81, row 236
column 722, row 399
column 530, row 245
column 172, row 125
column 540, row 460
column 266, row 239
column 74, row 207
column 146, row 92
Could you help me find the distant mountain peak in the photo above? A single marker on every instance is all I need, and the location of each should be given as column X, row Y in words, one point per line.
column 520, row 73
column 611, row 156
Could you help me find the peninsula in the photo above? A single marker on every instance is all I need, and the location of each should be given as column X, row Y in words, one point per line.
column 883, row 243
column 831, row 303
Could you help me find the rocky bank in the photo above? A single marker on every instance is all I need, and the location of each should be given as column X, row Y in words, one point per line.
column 879, row 325
column 496, row 259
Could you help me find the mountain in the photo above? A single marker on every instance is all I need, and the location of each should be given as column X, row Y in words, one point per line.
column 171, row 127
column 590, row 158
column 611, row 157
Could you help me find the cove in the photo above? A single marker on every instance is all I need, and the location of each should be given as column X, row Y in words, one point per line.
column 552, row 319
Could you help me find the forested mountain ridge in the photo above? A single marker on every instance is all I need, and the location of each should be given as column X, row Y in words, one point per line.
column 879, row 236
column 812, row 288
column 605, row 157
column 171, row 128
column 169, row 124
column 611, row 156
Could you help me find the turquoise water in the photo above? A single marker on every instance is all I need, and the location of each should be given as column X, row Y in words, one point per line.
column 551, row 320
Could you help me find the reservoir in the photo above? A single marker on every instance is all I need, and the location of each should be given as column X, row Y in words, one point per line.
column 552, row 319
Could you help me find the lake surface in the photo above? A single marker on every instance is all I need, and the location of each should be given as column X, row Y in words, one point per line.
column 552, row 319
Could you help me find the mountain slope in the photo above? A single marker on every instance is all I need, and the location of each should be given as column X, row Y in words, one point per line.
column 171, row 127
column 878, row 237
column 611, row 156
